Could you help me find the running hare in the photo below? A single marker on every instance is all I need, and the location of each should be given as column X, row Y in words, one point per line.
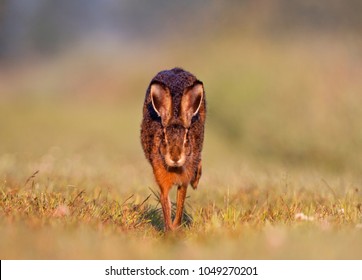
column 172, row 134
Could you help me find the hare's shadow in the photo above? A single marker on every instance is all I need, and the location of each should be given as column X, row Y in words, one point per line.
column 155, row 216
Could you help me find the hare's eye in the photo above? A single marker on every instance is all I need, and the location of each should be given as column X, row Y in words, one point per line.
column 186, row 140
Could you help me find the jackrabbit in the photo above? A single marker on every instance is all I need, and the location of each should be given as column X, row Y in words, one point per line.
column 172, row 134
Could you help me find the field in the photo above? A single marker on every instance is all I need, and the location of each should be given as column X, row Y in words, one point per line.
column 282, row 157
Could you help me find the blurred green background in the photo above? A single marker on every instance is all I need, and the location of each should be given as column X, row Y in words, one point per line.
column 283, row 78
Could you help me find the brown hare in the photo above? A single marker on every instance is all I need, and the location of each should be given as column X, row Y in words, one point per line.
column 172, row 134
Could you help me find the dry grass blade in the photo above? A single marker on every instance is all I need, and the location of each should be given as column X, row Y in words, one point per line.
column 31, row 177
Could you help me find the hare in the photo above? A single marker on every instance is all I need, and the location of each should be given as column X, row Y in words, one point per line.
column 172, row 134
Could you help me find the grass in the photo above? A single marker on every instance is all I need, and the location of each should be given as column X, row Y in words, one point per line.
column 264, row 221
column 282, row 165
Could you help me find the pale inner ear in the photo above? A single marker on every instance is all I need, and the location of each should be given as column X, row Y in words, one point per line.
column 191, row 103
column 161, row 101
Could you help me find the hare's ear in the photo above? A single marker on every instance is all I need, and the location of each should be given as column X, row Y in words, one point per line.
column 161, row 102
column 191, row 103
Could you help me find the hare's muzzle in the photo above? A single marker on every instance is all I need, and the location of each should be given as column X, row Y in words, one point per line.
column 175, row 138
column 175, row 157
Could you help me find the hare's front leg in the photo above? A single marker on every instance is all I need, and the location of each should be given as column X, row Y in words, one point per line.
column 166, row 208
column 180, row 201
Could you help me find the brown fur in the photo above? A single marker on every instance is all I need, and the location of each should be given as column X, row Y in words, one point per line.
column 172, row 134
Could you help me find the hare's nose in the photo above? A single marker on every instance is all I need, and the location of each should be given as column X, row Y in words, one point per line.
column 177, row 162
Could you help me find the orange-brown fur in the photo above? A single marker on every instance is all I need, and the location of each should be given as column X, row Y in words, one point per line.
column 172, row 133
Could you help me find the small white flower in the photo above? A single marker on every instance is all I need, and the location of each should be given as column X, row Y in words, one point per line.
column 341, row 211
column 61, row 211
column 303, row 217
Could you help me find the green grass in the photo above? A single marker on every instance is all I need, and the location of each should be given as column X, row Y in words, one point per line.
column 268, row 220
column 282, row 164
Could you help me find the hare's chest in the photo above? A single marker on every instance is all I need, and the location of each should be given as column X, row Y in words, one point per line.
column 168, row 178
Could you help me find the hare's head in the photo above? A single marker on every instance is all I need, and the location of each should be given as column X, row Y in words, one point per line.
column 176, row 112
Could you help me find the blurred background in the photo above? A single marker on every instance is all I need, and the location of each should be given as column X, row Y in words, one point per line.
column 282, row 80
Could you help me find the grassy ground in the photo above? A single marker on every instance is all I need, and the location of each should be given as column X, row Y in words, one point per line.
column 282, row 156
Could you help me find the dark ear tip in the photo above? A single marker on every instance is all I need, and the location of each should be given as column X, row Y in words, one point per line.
column 157, row 83
column 198, row 82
